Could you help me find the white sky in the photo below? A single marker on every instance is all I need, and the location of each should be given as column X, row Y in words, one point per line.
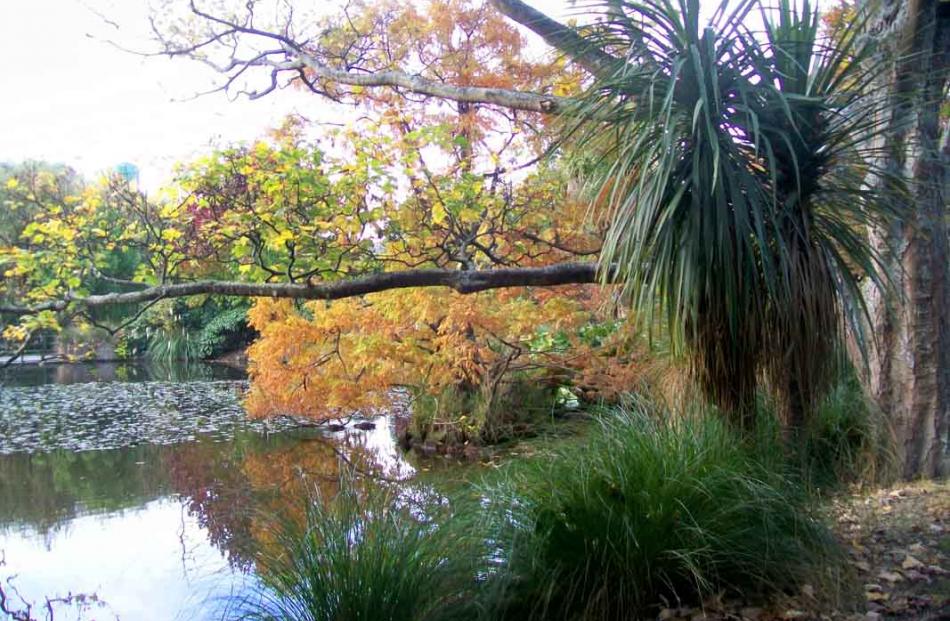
column 72, row 98
column 67, row 96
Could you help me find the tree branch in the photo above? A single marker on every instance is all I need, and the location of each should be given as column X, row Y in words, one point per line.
column 507, row 98
column 296, row 58
column 462, row 281
column 13, row 358
column 562, row 38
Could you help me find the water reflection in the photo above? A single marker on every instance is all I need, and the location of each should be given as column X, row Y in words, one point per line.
column 152, row 562
column 84, row 372
column 155, row 495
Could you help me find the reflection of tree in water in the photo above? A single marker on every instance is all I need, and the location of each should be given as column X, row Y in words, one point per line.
column 235, row 489
column 237, row 495
column 131, row 371
column 229, row 492
column 207, row 477
column 46, row 490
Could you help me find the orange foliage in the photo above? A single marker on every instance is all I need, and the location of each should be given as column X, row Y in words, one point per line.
column 468, row 196
column 349, row 354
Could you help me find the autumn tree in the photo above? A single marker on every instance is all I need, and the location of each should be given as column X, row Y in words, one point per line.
column 729, row 168
column 415, row 186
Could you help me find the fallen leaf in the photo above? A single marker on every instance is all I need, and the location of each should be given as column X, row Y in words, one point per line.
column 890, row 576
column 911, row 563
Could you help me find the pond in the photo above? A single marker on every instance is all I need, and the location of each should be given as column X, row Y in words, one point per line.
column 150, row 488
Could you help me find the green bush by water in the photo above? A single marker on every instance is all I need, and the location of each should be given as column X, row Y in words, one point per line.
column 648, row 511
column 363, row 557
column 511, row 409
column 173, row 331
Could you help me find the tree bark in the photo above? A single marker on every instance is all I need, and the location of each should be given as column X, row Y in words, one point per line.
column 910, row 364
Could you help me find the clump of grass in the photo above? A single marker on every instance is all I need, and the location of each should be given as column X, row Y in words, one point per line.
column 171, row 344
column 361, row 556
column 848, row 440
column 650, row 510
column 487, row 414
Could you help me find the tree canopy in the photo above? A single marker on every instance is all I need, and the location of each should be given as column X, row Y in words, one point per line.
column 723, row 176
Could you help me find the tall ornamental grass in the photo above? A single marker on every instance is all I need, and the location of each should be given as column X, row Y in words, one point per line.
column 361, row 556
column 649, row 512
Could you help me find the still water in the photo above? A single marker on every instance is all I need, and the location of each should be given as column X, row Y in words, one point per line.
column 150, row 488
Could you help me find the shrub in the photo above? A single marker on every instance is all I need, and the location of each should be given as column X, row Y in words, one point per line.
column 362, row 557
column 648, row 510
column 223, row 332
column 848, row 439
column 513, row 408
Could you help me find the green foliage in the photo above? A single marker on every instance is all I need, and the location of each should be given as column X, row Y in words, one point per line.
column 177, row 330
column 222, row 332
column 359, row 558
column 738, row 172
column 649, row 510
column 847, row 441
column 491, row 414
column 170, row 344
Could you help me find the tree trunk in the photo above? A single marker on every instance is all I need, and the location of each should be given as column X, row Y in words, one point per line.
column 910, row 364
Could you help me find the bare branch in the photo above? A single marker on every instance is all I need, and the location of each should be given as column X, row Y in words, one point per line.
column 462, row 281
column 507, row 98
column 295, row 57
column 19, row 352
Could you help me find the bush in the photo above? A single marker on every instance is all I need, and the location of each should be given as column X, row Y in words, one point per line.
column 173, row 330
column 357, row 558
column 510, row 409
column 847, row 440
column 226, row 331
column 649, row 510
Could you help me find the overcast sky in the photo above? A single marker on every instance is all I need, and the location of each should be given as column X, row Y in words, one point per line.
column 68, row 96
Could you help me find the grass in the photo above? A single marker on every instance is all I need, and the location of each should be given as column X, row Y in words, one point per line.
column 171, row 344
column 846, row 441
column 849, row 439
column 649, row 511
column 361, row 556
column 644, row 510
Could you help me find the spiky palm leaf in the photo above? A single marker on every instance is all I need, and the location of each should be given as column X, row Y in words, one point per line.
column 737, row 170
